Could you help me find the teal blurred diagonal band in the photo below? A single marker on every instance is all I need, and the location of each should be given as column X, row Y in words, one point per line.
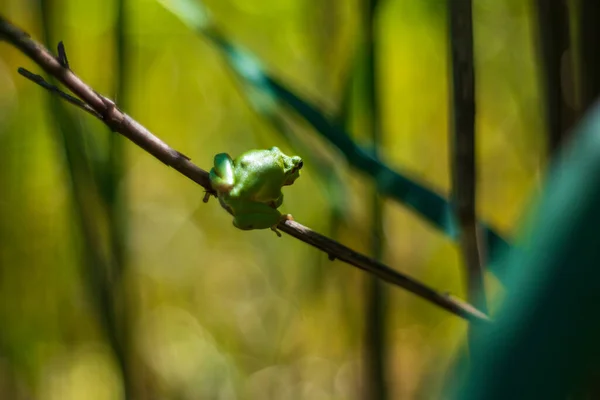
column 431, row 206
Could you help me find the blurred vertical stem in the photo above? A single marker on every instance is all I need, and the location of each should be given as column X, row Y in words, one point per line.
column 375, row 323
column 463, row 140
column 117, row 197
column 329, row 23
column 557, row 73
column 589, row 37
column 325, row 15
column 89, row 186
column 117, row 201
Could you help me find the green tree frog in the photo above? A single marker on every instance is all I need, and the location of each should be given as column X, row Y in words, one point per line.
column 249, row 187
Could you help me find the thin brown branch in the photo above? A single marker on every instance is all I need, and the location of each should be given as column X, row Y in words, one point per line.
column 120, row 122
column 381, row 271
column 463, row 139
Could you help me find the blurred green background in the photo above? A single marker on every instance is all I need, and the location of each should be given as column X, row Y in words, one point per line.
column 115, row 278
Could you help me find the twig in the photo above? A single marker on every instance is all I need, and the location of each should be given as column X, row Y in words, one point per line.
column 62, row 55
column 122, row 123
column 50, row 87
column 464, row 173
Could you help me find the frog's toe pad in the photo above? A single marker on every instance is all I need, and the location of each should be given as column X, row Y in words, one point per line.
column 287, row 217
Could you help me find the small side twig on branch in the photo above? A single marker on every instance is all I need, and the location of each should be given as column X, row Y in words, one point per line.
column 120, row 122
column 48, row 86
column 62, row 55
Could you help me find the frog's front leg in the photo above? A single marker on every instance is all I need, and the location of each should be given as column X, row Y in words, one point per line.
column 277, row 203
column 254, row 215
column 222, row 175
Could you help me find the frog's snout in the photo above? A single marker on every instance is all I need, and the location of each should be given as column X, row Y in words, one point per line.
column 298, row 163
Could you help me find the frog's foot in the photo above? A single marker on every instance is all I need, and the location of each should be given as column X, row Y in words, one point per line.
column 283, row 218
column 206, row 197
column 287, row 217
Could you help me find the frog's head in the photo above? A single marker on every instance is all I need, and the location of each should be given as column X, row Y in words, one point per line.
column 291, row 166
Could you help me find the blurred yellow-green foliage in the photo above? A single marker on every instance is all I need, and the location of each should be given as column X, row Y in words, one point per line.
column 212, row 312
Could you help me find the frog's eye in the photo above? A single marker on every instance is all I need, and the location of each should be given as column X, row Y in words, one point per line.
column 297, row 167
